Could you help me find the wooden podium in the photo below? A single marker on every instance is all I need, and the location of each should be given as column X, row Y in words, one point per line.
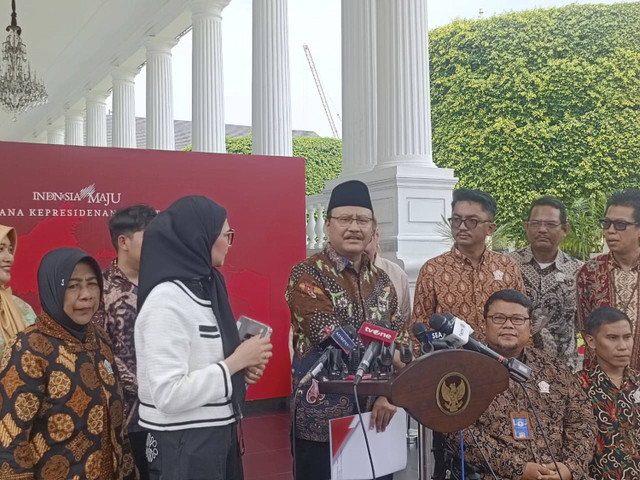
column 446, row 390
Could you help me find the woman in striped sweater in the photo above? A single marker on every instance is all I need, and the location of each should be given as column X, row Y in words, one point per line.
column 192, row 368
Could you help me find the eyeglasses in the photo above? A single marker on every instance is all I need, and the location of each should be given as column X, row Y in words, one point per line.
column 469, row 223
column 230, row 234
column 500, row 319
column 619, row 225
column 346, row 220
column 536, row 225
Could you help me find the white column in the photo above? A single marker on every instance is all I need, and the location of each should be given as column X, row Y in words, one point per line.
column 123, row 119
column 404, row 118
column 160, row 132
column 271, row 115
column 73, row 127
column 207, row 109
column 96, row 118
column 358, row 86
column 55, row 135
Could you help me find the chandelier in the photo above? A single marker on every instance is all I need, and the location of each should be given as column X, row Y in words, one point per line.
column 20, row 89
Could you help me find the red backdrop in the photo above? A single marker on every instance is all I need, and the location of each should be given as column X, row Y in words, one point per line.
column 63, row 196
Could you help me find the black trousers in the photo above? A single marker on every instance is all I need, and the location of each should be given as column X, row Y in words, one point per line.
column 138, row 447
column 312, row 461
column 210, row 453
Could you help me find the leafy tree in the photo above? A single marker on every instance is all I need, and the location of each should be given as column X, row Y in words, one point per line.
column 540, row 102
column 323, row 158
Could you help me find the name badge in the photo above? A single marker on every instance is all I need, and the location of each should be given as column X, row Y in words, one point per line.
column 520, row 425
column 108, row 368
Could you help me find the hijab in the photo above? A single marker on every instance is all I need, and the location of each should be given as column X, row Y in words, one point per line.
column 54, row 273
column 177, row 246
column 11, row 321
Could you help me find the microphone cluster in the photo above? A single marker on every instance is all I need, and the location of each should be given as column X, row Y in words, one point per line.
column 341, row 355
column 452, row 332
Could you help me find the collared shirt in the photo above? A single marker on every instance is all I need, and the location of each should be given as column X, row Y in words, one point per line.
column 400, row 281
column 617, row 413
column 118, row 317
column 553, row 292
column 602, row 282
column 451, row 283
column 325, row 291
column 564, row 413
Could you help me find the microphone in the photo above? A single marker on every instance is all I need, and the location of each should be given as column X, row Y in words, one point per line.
column 373, row 336
column 459, row 334
column 406, row 353
column 337, row 339
column 420, row 331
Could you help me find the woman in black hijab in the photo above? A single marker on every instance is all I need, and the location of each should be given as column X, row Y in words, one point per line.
column 62, row 401
column 192, row 368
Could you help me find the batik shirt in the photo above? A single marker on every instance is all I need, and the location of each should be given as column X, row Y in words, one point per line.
column 450, row 283
column 28, row 316
column 553, row 292
column 118, row 317
column 602, row 282
column 325, row 291
column 617, row 413
column 565, row 415
column 61, row 407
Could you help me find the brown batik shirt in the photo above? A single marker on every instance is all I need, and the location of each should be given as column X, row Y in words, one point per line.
column 117, row 318
column 553, row 292
column 325, row 291
column 61, row 407
column 450, row 283
column 565, row 415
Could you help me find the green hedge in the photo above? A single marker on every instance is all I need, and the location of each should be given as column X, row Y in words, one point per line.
column 539, row 102
column 323, row 158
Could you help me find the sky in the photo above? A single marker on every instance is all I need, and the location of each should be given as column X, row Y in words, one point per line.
column 317, row 24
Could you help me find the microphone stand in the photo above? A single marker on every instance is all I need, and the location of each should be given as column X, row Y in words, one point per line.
column 425, row 439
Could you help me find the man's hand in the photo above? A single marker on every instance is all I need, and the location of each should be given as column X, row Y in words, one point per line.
column 562, row 468
column 535, row 471
column 382, row 414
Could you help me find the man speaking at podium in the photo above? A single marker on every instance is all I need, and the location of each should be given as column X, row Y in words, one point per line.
column 508, row 432
column 334, row 288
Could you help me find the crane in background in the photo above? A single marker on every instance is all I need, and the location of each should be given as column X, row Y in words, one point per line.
column 323, row 97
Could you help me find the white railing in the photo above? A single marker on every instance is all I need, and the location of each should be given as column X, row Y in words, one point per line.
column 316, row 233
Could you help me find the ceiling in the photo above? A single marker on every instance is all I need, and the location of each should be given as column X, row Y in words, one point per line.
column 74, row 44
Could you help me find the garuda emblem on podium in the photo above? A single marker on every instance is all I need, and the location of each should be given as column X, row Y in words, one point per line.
column 453, row 394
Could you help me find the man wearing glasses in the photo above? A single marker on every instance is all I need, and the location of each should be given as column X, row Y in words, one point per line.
column 550, row 279
column 508, row 433
column 461, row 280
column 612, row 279
column 334, row 288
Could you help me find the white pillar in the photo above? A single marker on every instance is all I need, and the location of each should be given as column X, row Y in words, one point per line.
column 96, row 118
column 160, row 132
column 73, row 127
column 55, row 135
column 207, row 109
column 404, row 118
column 271, row 115
column 359, row 118
column 123, row 119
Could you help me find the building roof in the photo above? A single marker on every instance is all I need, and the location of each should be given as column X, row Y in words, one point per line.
column 182, row 129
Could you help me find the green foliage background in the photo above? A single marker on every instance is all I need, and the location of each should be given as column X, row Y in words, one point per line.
column 323, row 158
column 539, row 102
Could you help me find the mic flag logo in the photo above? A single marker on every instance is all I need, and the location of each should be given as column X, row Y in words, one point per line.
column 453, row 394
column 370, row 332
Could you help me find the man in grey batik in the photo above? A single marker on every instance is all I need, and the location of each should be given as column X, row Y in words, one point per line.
column 550, row 279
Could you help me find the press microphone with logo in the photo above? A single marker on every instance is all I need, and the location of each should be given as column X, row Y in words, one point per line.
column 459, row 334
column 373, row 336
column 337, row 339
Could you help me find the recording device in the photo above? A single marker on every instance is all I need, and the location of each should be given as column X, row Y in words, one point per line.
column 248, row 327
column 374, row 337
column 422, row 334
column 337, row 343
column 459, row 334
